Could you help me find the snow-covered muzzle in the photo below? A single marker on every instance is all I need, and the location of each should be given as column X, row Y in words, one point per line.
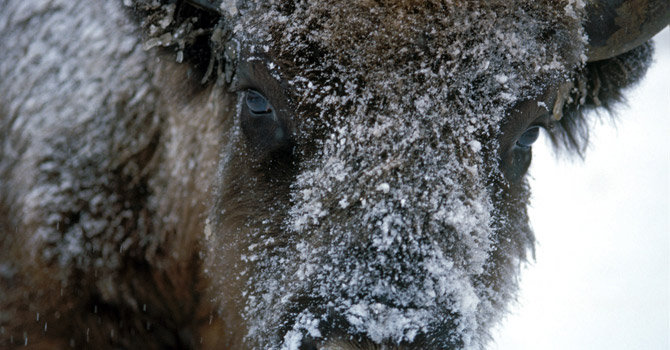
column 392, row 225
column 396, row 225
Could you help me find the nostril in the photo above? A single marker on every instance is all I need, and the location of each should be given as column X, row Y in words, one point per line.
column 308, row 344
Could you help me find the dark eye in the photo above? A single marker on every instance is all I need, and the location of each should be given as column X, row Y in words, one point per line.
column 264, row 127
column 257, row 103
column 528, row 137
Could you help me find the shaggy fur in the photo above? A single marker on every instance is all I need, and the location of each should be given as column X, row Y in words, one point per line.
column 599, row 84
column 135, row 213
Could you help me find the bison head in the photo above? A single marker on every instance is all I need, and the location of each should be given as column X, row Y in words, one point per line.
column 354, row 169
column 372, row 186
column 372, row 190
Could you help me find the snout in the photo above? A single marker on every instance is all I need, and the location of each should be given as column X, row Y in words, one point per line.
column 394, row 248
column 337, row 333
column 344, row 341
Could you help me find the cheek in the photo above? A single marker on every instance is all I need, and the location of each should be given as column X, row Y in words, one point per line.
column 250, row 206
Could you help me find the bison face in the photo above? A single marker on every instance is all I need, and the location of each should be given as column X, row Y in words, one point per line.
column 372, row 190
column 309, row 174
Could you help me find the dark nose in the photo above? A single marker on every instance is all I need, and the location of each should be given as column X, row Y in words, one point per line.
column 308, row 344
column 347, row 342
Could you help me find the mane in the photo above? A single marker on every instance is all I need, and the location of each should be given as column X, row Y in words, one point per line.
column 599, row 86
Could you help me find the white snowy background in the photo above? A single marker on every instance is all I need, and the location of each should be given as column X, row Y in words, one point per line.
column 601, row 275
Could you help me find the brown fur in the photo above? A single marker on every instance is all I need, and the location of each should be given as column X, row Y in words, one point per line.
column 157, row 296
column 166, row 197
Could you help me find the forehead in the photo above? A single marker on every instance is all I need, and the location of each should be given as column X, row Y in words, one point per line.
column 499, row 52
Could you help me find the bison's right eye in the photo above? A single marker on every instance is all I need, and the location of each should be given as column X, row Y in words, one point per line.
column 257, row 103
column 528, row 137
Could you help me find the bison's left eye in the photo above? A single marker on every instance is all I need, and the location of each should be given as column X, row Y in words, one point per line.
column 262, row 124
column 528, row 137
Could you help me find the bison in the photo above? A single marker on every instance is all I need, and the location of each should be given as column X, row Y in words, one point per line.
column 283, row 174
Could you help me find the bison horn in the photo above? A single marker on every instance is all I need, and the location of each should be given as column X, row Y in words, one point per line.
column 616, row 26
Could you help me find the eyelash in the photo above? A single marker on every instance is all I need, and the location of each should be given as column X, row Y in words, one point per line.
column 528, row 137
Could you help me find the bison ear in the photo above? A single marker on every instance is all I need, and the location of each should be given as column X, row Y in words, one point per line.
column 619, row 54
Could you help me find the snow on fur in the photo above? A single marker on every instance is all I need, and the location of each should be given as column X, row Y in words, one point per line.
column 392, row 220
column 395, row 233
